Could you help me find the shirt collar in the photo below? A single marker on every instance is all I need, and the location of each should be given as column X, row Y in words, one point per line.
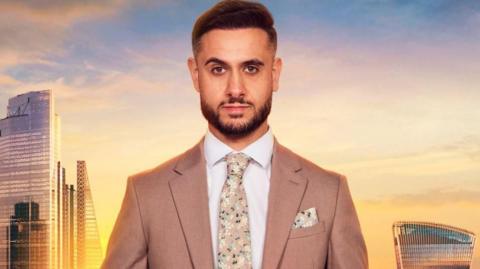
column 260, row 150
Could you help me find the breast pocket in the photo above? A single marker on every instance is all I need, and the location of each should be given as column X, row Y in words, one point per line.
column 317, row 228
column 305, row 246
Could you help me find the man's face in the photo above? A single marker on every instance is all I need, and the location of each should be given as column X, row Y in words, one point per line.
column 235, row 73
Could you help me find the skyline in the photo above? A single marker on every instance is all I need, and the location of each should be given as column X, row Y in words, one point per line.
column 30, row 182
column 49, row 223
column 394, row 100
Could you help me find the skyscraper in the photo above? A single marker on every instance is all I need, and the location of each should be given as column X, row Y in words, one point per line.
column 89, row 252
column 72, row 246
column 68, row 224
column 26, row 236
column 424, row 245
column 29, row 153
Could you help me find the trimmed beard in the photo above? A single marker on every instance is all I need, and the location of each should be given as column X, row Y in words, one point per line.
column 230, row 130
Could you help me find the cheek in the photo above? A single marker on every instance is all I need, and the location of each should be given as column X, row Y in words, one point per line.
column 211, row 96
column 259, row 88
column 208, row 81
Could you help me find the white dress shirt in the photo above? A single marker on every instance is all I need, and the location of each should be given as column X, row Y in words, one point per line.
column 256, row 181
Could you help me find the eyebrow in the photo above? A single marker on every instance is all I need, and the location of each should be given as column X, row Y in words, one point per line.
column 253, row 62
column 221, row 62
column 215, row 61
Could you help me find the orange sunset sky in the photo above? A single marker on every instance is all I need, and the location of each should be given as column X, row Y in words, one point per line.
column 384, row 92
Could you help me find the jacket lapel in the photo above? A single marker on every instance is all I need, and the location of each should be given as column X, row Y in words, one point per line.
column 190, row 195
column 287, row 187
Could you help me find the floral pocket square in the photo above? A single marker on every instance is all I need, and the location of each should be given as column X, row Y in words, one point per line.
column 305, row 218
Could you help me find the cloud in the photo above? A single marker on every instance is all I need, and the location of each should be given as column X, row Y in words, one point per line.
column 439, row 156
column 433, row 197
column 35, row 31
column 41, row 48
column 110, row 91
column 60, row 12
column 22, row 42
column 6, row 80
column 469, row 145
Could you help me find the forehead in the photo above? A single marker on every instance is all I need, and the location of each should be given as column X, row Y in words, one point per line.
column 235, row 44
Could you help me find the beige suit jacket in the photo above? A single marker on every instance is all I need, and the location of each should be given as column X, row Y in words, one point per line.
column 164, row 218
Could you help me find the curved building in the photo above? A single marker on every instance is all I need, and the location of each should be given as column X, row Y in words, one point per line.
column 425, row 245
column 29, row 178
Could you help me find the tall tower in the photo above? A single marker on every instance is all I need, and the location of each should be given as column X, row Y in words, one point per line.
column 68, row 224
column 89, row 252
column 72, row 229
column 29, row 152
column 424, row 245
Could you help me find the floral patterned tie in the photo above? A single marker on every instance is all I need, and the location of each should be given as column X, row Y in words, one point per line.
column 234, row 249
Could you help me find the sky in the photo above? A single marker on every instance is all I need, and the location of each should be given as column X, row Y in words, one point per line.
column 385, row 92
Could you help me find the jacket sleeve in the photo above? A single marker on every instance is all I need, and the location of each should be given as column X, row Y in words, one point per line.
column 127, row 247
column 346, row 249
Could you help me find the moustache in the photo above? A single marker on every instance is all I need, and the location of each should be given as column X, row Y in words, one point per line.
column 233, row 100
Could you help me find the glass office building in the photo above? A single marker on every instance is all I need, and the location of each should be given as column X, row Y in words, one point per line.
column 29, row 183
column 89, row 250
column 424, row 245
column 26, row 236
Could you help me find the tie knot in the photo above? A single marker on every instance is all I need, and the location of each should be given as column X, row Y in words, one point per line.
column 237, row 163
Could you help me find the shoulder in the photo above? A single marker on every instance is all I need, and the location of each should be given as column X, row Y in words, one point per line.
column 315, row 173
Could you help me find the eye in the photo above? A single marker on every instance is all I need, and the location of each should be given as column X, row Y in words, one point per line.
column 251, row 69
column 217, row 70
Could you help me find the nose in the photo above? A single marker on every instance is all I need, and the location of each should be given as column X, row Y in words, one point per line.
column 235, row 86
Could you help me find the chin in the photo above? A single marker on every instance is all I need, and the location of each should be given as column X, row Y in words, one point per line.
column 233, row 125
column 236, row 121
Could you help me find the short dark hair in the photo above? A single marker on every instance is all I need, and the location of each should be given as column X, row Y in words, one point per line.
column 234, row 14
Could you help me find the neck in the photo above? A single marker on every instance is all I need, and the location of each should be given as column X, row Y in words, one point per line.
column 239, row 143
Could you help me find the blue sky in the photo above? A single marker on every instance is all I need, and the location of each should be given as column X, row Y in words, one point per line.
column 371, row 25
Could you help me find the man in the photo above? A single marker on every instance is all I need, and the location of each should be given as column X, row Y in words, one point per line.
column 237, row 199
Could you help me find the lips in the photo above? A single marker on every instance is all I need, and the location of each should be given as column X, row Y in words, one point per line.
column 235, row 109
column 234, row 106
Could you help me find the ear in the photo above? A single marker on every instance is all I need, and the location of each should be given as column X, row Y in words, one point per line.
column 276, row 69
column 192, row 66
